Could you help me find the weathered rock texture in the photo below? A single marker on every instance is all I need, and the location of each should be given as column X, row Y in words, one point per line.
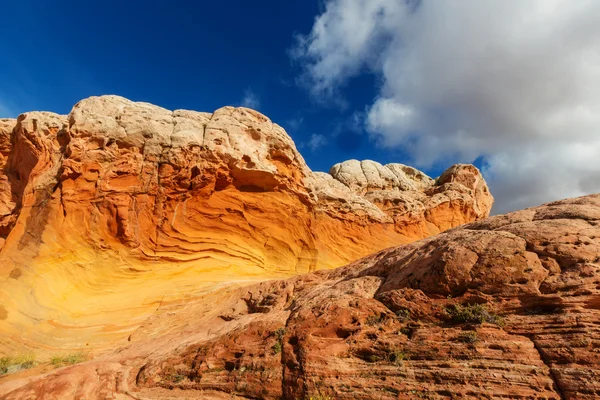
column 506, row 308
column 119, row 206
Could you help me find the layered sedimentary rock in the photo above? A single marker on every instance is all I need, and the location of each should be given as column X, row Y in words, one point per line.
column 507, row 307
column 119, row 206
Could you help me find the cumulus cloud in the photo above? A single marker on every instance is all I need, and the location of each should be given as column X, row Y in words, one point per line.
column 316, row 141
column 514, row 82
column 251, row 99
column 342, row 41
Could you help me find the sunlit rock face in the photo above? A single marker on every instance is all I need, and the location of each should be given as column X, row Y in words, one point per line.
column 120, row 205
column 505, row 308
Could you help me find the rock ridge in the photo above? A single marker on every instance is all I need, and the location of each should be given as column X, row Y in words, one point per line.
column 506, row 308
column 121, row 199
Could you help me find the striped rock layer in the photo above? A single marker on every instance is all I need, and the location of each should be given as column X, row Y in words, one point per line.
column 504, row 308
column 119, row 207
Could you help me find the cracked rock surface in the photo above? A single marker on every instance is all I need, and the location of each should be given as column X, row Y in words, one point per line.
column 506, row 308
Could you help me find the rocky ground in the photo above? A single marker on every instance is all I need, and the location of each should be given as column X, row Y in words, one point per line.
column 507, row 307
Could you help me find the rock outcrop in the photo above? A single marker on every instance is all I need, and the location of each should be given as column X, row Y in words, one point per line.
column 507, row 307
column 119, row 206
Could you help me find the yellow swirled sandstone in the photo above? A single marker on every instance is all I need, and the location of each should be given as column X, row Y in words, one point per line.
column 119, row 206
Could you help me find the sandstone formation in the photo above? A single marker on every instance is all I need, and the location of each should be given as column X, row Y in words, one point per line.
column 118, row 207
column 505, row 308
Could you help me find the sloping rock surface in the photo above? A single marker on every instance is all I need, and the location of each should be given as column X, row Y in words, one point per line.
column 120, row 206
column 505, row 308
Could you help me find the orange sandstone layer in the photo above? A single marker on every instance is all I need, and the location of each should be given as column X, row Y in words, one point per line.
column 120, row 206
column 503, row 308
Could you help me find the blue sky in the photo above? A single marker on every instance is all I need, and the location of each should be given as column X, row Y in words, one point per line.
column 509, row 85
column 198, row 55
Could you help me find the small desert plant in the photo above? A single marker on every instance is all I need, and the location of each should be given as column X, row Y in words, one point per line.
column 279, row 334
column 14, row 364
column 396, row 356
column 403, row 314
column 5, row 363
column 468, row 337
column 56, row 360
column 277, row 347
column 472, row 313
column 68, row 359
column 405, row 331
column 375, row 319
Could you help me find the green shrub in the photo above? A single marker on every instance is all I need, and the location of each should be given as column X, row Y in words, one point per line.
column 68, row 359
column 403, row 314
column 468, row 337
column 375, row 319
column 396, row 356
column 14, row 364
column 472, row 313
column 277, row 347
column 5, row 362
column 279, row 333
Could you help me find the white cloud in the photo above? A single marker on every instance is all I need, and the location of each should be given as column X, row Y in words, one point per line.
column 542, row 172
column 513, row 81
column 342, row 40
column 251, row 99
column 317, row 141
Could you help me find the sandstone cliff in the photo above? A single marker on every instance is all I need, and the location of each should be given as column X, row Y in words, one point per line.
column 507, row 308
column 120, row 206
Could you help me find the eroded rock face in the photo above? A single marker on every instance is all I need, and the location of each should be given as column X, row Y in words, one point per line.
column 507, row 307
column 7, row 203
column 124, row 200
